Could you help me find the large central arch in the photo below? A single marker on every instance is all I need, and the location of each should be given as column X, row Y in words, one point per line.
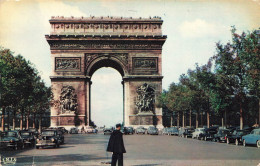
column 80, row 46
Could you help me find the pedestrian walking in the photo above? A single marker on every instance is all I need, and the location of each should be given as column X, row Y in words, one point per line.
column 116, row 146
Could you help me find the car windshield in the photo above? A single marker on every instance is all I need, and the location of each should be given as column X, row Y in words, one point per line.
column 48, row 133
column 25, row 133
column 9, row 134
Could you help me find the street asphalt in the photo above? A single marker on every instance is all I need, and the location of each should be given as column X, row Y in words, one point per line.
column 142, row 150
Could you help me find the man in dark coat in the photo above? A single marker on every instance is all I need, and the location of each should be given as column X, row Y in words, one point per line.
column 116, row 145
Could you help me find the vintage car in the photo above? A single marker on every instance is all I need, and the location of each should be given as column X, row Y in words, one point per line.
column 236, row 136
column 74, row 130
column 34, row 131
column 140, row 130
column 152, row 130
column 209, row 133
column 173, row 131
column 188, row 132
column 197, row 132
column 28, row 138
column 63, row 130
column 48, row 137
column 181, row 131
column 108, row 131
column 11, row 139
column 253, row 138
column 128, row 130
column 89, row 129
column 221, row 135
column 165, row 131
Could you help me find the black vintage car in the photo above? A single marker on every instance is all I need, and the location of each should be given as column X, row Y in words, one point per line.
column 63, row 130
column 108, row 131
column 49, row 137
column 34, row 131
column 28, row 138
column 188, row 132
column 221, row 135
column 208, row 133
column 236, row 136
column 11, row 139
column 128, row 130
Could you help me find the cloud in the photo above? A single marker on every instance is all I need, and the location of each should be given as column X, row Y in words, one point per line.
column 199, row 28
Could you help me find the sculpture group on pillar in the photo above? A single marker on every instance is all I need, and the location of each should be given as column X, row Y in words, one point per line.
column 68, row 100
column 145, row 99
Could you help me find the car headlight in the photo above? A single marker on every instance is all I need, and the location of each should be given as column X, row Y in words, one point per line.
column 52, row 139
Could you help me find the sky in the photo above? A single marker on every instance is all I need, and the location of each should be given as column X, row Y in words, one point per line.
column 193, row 27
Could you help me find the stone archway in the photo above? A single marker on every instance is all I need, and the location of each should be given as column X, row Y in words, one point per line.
column 80, row 46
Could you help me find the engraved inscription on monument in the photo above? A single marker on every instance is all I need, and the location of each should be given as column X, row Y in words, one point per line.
column 145, row 99
column 68, row 100
column 67, row 64
column 145, row 63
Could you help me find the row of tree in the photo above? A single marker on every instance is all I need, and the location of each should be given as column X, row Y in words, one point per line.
column 227, row 84
column 21, row 89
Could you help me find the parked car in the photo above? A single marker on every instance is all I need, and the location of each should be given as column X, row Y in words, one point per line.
column 89, row 129
column 128, row 130
column 173, row 131
column 63, row 130
column 28, row 138
column 74, row 130
column 208, row 133
column 188, row 132
column 34, row 131
column 236, row 136
column 11, row 139
column 253, row 138
column 198, row 131
column 49, row 137
column 181, row 131
column 221, row 135
column 152, row 130
column 165, row 131
column 140, row 130
column 108, row 131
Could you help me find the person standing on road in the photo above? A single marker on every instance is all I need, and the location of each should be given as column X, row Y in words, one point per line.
column 116, row 145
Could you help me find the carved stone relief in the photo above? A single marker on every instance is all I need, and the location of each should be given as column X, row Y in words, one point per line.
column 67, row 64
column 117, row 46
column 145, row 99
column 68, row 100
column 145, row 63
column 123, row 57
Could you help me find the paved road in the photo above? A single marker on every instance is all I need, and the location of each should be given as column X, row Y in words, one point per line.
column 83, row 149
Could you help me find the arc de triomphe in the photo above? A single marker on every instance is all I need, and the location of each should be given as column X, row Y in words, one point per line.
column 80, row 46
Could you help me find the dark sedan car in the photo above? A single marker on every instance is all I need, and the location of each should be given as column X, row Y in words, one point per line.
column 221, row 135
column 236, row 136
column 188, row 132
column 49, row 137
column 209, row 133
column 128, row 130
column 11, row 139
column 108, row 131
column 28, row 138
